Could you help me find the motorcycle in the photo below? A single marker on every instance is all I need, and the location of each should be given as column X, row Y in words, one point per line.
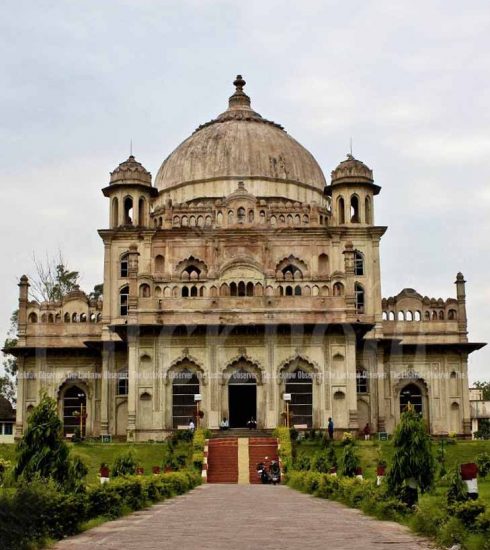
column 274, row 473
column 262, row 473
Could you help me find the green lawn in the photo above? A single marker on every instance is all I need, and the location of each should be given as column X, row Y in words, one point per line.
column 458, row 453
column 93, row 454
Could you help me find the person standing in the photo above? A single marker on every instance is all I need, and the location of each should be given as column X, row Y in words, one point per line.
column 330, row 428
column 367, row 432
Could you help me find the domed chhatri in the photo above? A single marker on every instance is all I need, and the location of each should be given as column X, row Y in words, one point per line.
column 240, row 144
column 352, row 170
column 130, row 172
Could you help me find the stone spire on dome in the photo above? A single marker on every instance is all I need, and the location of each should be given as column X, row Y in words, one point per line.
column 239, row 108
column 131, row 172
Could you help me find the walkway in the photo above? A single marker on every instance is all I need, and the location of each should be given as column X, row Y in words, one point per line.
column 245, row 517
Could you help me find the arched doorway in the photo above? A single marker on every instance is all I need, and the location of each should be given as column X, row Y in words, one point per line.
column 242, row 398
column 299, row 384
column 411, row 394
column 74, row 410
column 185, row 385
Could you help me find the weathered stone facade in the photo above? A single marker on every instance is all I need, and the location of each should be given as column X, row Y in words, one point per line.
column 241, row 276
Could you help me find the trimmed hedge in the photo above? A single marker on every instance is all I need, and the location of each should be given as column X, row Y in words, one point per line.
column 33, row 513
column 466, row 523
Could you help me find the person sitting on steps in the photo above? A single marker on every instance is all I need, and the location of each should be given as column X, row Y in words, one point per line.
column 252, row 424
column 224, row 424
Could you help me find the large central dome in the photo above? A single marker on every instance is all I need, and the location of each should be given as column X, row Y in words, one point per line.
column 241, row 145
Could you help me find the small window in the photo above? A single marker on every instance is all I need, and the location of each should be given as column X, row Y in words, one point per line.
column 8, row 428
column 341, row 210
column 361, row 381
column 297, row 290
column 122, row 382
column 354, row 209
column 338, row 289
column 359, row 263
column 124, row 301
column 360, row 298
column 124, row 266
column 145, row 291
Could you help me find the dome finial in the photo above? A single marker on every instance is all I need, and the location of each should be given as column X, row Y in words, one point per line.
column 239, row 83
column 239, row 100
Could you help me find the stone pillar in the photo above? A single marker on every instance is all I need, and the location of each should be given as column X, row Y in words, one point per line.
column 132, row 383
column 461, row 297
column 351, row 390
column 350, row 298
column 104, row 388
column 23, row 301
column 19, row 413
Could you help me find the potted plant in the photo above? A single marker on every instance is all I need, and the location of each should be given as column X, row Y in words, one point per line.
column 156, row 470
column 381, row 467
column 104, row 473
column 139, row 471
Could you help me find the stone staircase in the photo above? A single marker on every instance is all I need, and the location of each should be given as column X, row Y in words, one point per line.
column 232, row 459
column 260, row 449
column 222, row 460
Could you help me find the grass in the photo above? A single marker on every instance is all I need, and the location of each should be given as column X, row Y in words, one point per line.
column 93, row 454
column 458, row 453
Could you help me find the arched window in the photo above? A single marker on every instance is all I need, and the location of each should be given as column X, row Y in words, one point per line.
column 262, row 216
column 418, row 316
column 441, row 315
column 124, row 301
column 74, row 405
column 409, row 316
column 289, row 290
column 185, row 292
column 401, row 316
column 74, row 318
column 145, row 291
column 411, row 394
column 360, row 297
column 391, row 316
column 291, row 272
column 434, row 315
column 66, row 317
column 191, row 272
column 341, row 209
column 427, row 315
column 231, row 217
column 385, row 316
column 115, row 212
column 452, row 315
column 300, row 385
column 122, row 382
column 83, row 317
column 194, row 291
column 233, row 289
column 297, row 290
column 128, row 211
column 241, row 289
column 32, row 317
column 159, row 263
column 123, row 266
column 361, row 381
column 338, row 289
column 323, row 267
column 354, row 209
column 184, row 386
column 359, row 263
column 241, row 215
column 250, row 289
column 369, row 213
column 141, row 212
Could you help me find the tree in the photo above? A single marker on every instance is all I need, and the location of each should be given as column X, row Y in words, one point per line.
column 413, row 463
column 457, row 491
column 52, row 279
column 485, row 386
column 97, row 292
column 9, row 363
column 42, row 451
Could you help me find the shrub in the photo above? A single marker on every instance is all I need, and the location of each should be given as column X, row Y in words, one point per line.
column 452, row 532
column 457, row 491
column 321, row 463
column 350, row 461
column 468, row 511
column 302, row 462
column 124, row 465
column 428, row 517
column 331, row 456
column 104, row 501
column 286, row 449
column 483, row 461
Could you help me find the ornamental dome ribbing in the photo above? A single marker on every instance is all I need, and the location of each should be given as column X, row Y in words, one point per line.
column 236, row 145
column 352, row 170
column 131, row 172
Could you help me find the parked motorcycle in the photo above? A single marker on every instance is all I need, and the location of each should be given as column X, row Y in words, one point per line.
column 274, row 473
column 262, row 473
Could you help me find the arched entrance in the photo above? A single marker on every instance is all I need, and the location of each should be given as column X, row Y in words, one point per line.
column 299, row 384
column 74, row 410
column 411, row 394
column 242, row 398
column 185, row 385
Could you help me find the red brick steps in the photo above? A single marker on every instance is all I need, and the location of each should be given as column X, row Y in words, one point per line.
column 223, row 460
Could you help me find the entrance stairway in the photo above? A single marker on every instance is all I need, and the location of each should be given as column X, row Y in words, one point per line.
column 233, row 460
column 223, row 460
column 260, row 449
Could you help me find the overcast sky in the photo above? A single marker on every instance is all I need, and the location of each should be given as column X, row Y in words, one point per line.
column 408, row 81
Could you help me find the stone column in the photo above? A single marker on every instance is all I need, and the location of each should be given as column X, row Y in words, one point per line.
column 107, row 371
column 461, row 297
column 19, row 418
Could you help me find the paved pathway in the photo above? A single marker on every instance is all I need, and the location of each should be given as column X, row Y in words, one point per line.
column 246, row 517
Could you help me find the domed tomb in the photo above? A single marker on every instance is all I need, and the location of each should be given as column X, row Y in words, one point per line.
column 240, row 145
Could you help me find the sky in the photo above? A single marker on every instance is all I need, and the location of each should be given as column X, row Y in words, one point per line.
column 409, row 82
